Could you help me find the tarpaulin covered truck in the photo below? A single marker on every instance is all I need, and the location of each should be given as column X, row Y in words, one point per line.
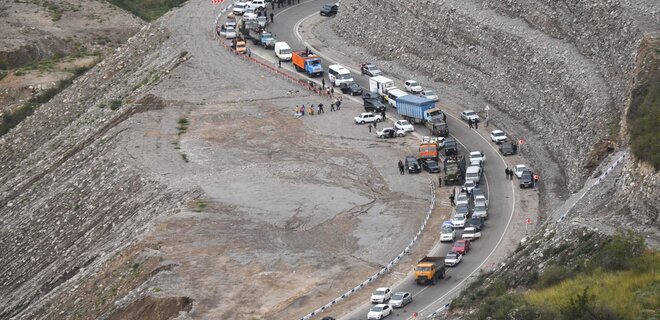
column 307, row 62
column 429, row 270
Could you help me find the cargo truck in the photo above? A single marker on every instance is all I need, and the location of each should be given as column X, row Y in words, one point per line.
column 430, row 269
column 438, row 127
column 428, row 150
column 238, row 44
column 262, row 37
column 306, row 62
column 380, row 85
column 418, row 109
column 454, row 170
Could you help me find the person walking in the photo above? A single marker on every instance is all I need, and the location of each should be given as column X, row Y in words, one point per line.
column 370, row 128
column 279, row 62
column 321, row 108
column 470, row 123
column 401, row 167
column 272, row 17
column 311, row 109
column 332, row 91
column 506, row 172
column 451, row 200
column 476, row 123
column 323, row 82
column 382, row 114
column 375, row 125
column 302, row 110
column 332, row 106
column 338, row 104
column 439, row 181
column 272, row 5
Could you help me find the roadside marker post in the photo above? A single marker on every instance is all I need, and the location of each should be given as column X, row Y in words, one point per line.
column 528, row 221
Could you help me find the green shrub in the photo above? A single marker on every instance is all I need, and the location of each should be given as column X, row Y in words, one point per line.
column 3, row 74
column 115, row 104
column 644, row 121
column 12, row 119
column 617, row 254
column 552, row 276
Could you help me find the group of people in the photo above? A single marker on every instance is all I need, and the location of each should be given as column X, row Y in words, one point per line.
column 473, row 123
column 335, row 105
column 509, row 173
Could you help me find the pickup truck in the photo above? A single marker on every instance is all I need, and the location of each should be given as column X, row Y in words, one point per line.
column 429, row 270
column 304, row 61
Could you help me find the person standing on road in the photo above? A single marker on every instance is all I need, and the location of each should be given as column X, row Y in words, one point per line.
column 439, row 181
column 279, row 62
column 321, row 108
column 272, row 16
column 451, row 200
column 338, row 104
column 272, row 6
column 323, row 82
column 476, row 123
column 370, row 128
column 332, row 106
column 302, row 110
column 382, row 114
column 311, row 109
column 401, row 168
column 375, row 126
column 470, row 123
column 332, row 91
column 506, row 172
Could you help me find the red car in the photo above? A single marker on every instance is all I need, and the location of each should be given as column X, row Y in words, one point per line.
column 461, row 246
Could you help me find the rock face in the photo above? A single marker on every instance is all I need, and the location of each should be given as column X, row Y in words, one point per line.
column 564, row 69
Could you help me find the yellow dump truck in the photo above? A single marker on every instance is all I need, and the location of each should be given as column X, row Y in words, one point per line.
column 430, row 269
column 238, row 44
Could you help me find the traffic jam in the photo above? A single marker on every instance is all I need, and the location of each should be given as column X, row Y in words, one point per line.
column 413, row 105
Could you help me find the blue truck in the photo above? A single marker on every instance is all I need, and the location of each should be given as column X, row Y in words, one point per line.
column 418, row 109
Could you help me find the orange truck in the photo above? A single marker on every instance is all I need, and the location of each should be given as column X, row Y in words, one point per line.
column 428, row 150
column 430, row 270
column 307, row 62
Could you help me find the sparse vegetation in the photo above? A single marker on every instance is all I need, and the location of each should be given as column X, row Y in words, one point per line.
column 3, row 74
column 200, row 205
column 148, row 10
column 116, row 104
column 644, row 121
column 618, row 282
column 182, row 126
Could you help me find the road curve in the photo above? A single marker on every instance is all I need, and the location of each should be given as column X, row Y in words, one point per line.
column 501, row 192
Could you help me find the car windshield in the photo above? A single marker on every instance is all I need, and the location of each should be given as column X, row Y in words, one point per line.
column 498, row 134
column 459, row 244
column 327, row 6
column 428, row 93
column 480, row 208
column 431, row 163
column 397, row 296
column 239, row 6
column 469, row 184
column 521, row 168
column 452, row 256
column 404, row 123
column 459, row 217
column 370, row 67
column 377, row 308
column 446, row 228
column 470, row 113
column 344, row 76
column 462, row 197
column 526, row 175
column 412, row 83
column 379, row 292
column 315, row 63
column 285, row 51
column 423, row 268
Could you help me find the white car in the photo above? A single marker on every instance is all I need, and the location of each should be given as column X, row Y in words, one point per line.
column 239, row 8
column 469, row 114
column 390, row 133
column 477, row 155
column 480, row 209
column 459, row 220
column 250, row 13
column 471, row 233
column 404, row 125
column 257, row 4
column 229, row 33
column 498, row 136
column 381, row 295
column 413, row 86
column 428, row 94
column 367, row 117
column 438, row 140
column 379, row 311
column 453, row 258
column 468, row 186
column 519, row 170
column 447, row 232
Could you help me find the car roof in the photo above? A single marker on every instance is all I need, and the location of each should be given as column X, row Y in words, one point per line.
column 497, row 131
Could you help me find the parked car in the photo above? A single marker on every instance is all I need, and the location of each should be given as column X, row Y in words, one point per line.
column 413, row 86
column 379, row 311
column 462, row 208
column 390, row 133
column 239, row 8
column 452, row 259
column 400, row 299
column 459, row 220
column 429, row 94
column 370, row 70
column 507, row 149
column 351, row 88
column 519, row 169
column 412, row 165
column 372, row 104
column 430, row 166
column 462, row 198
column 498, row 136
column 404, row 125
column 469, row 114
column 381, row 295
column 471, row 233
column 329, row 9
column 257, row 4
column 367, row 117
column 469, row 185
column 477, row 222
column 480, row 209
column 477, row 155
column 461, row 246
column 527, row 179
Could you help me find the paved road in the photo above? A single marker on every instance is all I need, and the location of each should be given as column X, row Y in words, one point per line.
column 500, row 191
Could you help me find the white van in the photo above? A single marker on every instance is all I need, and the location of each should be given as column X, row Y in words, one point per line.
column 473, row 173
column 338, row 75
column 394, row 94
column 283, row 51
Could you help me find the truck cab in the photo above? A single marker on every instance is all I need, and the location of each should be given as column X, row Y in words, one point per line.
column 428, row 150
column 307, row 62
